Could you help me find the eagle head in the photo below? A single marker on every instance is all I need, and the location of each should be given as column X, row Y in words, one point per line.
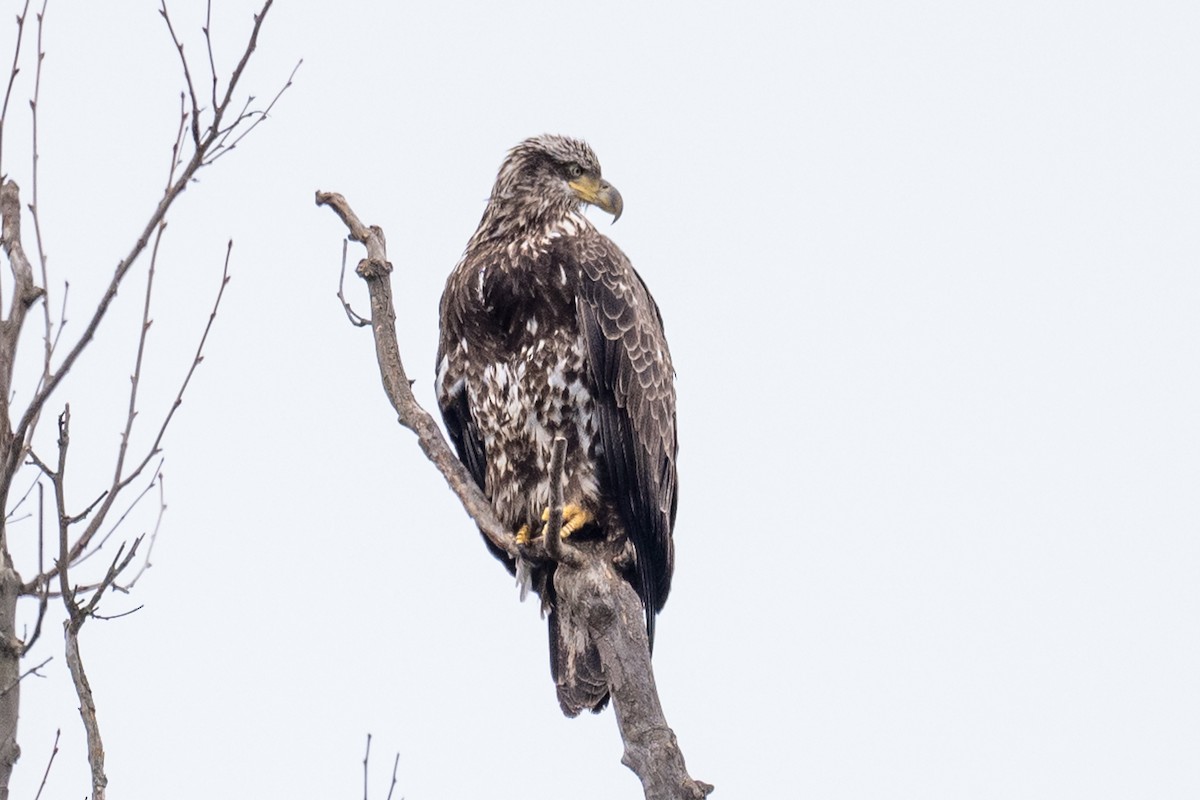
column 550, row 176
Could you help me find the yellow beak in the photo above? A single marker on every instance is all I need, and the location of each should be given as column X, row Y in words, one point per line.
column 600, row 193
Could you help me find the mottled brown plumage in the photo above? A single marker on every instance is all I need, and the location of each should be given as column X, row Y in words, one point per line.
column 547, row 330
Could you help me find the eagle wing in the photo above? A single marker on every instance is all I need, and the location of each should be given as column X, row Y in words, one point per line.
column 631, row 369
column 452, row 394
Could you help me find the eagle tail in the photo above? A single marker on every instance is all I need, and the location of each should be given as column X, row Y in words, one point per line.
column 575, row 666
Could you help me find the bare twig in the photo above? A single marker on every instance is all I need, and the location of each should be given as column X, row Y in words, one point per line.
column 593, row 588
column 121, row 481
column 187, row 75
column 162, row 509
column 367, row 772
column 12, row 78
column 118, row 566
column 213, row 131
column 34, row 208
column 135, row 380
column 26, row 674
column 212, row 64
column 11, row 515
column 366, row 769
column 204, row 142
column 41, row 580
column 259, row 117
column 60, row 502
column 128, row 613
column 49, row 764
column 355, row 318
column 395, row 767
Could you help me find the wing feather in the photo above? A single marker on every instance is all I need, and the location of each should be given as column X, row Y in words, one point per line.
column 631, row 367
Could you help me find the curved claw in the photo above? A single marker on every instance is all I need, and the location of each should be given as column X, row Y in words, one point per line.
column 574, row 518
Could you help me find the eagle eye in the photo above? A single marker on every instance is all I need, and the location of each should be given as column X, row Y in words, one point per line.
column 574, row 170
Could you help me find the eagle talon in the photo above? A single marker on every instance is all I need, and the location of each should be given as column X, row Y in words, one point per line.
column 574, row 518
column 523, row 536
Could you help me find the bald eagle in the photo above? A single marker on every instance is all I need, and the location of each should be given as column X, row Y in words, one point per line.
column 547, row 331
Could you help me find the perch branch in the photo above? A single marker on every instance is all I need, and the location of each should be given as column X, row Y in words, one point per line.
column 375, row 269
column 552, row 541
column 605, row 600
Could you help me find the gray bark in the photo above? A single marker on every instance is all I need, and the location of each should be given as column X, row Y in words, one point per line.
column 10, row 671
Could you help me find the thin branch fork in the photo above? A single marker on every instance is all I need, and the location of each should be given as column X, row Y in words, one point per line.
column 205, row 140
column 588, row 583
column 367, row 772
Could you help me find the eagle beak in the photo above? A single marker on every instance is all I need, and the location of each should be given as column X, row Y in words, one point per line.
column 599, row 192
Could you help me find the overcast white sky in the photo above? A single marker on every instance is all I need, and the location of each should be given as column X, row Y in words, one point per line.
column 930, row 272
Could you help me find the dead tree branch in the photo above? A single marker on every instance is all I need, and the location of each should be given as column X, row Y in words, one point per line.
column 606, row 601
column 375, row 270
column 49, row 764
column 367, row 772
column 207, row 145
column 31, row 671
column 214, row 130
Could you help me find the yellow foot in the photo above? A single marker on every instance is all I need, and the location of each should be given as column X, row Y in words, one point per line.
column 523, row 535
column 574, row 518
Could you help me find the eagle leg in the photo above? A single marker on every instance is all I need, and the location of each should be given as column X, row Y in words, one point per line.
column 574, row 518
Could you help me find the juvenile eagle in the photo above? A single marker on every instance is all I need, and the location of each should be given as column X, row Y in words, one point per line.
column 546, row 331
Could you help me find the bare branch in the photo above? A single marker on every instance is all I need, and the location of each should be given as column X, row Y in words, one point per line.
column 135, row 380
column 213, row 131
column 367, row 772
column 98, row 546
column 366, row 768
column 41, row 580
column 121, row 482
column 26, row 674
column 49, row 764
column 11, row 515
column 25, row 293
column 118, row 566
column 212, row 64
column 395, row 767
column 130, row 612
column 48, row 338
column 12, row 78
column 187, row 75
column 355, row 318
column 259, row 117
column 87, row 711
column 374, row 269
column 204, row 144
column 237, row 71
column 60, row 502
column 552, row 541
column 162, row 509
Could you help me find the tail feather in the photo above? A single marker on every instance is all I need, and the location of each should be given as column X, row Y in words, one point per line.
column 575, row 666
